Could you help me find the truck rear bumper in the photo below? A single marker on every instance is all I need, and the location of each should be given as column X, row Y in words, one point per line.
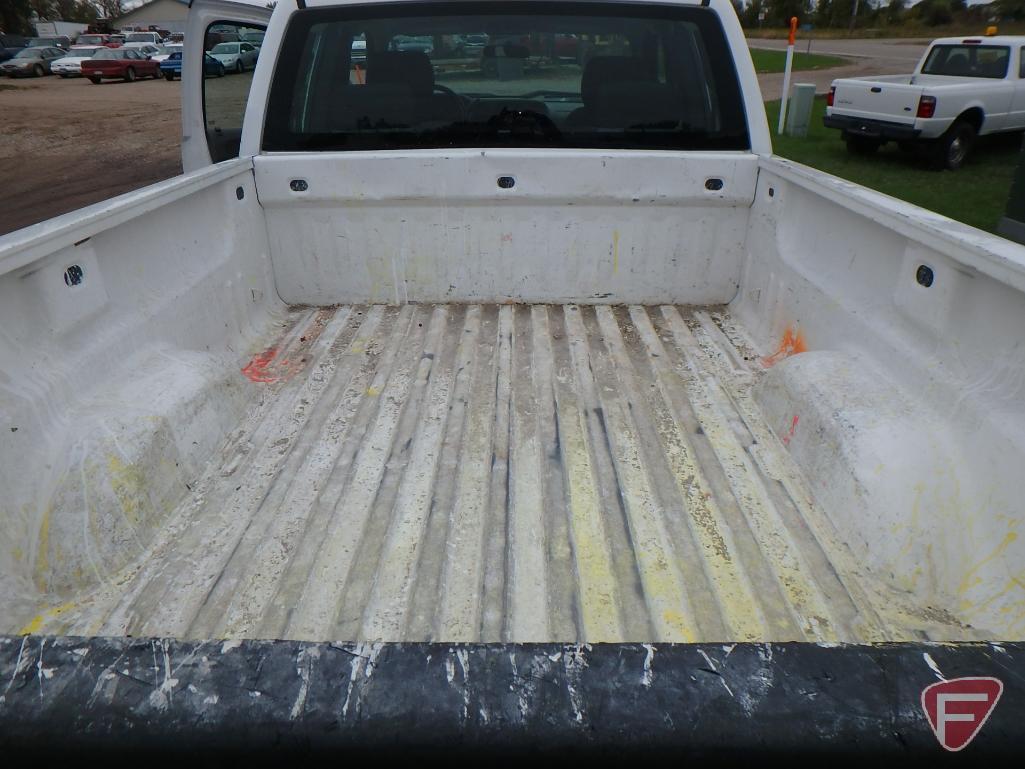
column 269, row 698
column 876, row 129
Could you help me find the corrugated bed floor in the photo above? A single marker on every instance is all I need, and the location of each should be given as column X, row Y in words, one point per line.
column 513, row 473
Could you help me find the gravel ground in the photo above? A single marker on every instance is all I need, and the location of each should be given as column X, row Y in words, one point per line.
column 68, row 143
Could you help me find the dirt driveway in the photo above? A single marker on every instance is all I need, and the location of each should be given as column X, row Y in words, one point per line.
column 68, row 143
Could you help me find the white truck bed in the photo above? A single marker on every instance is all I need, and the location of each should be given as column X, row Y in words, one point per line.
column 501, row 473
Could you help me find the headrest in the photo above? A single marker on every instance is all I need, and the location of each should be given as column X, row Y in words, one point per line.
column 603, row 70
column 409, row 68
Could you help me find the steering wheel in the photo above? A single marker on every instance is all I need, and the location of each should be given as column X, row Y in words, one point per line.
column 460, row 101
column 537, row 122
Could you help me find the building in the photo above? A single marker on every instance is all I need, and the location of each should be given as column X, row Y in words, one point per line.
column 163, row 14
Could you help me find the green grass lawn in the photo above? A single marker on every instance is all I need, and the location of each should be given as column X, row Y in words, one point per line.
column 976, row 194
column 774, row 61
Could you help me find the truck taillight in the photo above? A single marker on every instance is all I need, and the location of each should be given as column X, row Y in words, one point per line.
column 927, row 106
column 830, row 96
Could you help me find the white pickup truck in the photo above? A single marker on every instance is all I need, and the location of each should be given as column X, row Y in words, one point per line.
column 961, row 89
column 508, row 400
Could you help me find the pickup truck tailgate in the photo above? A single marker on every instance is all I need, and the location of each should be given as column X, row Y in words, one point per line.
column 877, row 99
column 501, row 473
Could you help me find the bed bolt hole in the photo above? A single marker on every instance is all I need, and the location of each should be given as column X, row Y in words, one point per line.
column 298, row 185
column 240, row 193
column 924, row 276
column 506, row 182
column 713, row 184
column 772, row 192
column 73, row 275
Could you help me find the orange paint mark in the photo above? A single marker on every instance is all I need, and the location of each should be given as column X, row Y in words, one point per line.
column 791, row 344
column 258, row 369
column 282, row 361
column 793, row 429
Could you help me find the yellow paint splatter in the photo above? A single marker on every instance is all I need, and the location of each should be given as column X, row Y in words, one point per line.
column 373, row 391
column 967, row 582
column 47, row 614
column 43, row 550
column 128, row 483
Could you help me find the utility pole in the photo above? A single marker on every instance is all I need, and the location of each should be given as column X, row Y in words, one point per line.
column 854, row 17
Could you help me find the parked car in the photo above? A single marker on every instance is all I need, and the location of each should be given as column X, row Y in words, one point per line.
column 471, row 45
column 171, row 67
column 10, row 45
column 70, row 65
column 236, row 57
column 166, row 51
column 153, row 38
column 32, row 62
column 58, row 41
column 252, row 36
column 88, row 39
column 119, row 63
column 359, row 49
column 962, row 88
column 420, row 44
column 116, row 41
column 148, row 49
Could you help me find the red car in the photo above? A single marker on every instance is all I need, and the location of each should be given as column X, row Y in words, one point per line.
column 122, row 63
column 95, row 39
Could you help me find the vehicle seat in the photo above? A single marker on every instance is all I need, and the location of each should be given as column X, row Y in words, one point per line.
column 616, row 94
column 958, row 65
column 414, row 71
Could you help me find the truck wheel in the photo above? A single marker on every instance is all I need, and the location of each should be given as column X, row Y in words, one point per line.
column 862, row 145
column 952, row 148
column 95, row 80
column 168, row 76
column 130, row 75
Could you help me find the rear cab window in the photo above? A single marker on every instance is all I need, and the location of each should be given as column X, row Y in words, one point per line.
column 588, row 75
column 968, row 60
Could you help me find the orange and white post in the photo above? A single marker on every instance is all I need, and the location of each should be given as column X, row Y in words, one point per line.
column 786, row 74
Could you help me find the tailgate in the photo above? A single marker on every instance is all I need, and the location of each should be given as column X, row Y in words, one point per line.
column 877, row 100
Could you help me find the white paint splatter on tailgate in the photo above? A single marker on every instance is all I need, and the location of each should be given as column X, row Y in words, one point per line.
column 933, row 666
column 648, row 676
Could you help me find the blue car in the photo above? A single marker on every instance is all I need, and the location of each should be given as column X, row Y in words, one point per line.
column 171, row 67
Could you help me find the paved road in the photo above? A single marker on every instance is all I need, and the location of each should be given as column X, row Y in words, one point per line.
column 884, row 51
column 868, row 57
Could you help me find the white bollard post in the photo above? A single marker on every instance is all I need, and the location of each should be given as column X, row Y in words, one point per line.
column 786, row 75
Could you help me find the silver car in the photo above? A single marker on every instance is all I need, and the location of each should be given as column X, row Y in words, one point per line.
column 32, row 62
column 236, row 57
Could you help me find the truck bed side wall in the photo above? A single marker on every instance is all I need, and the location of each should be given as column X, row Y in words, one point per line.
column 907, row 411
column 115, row 389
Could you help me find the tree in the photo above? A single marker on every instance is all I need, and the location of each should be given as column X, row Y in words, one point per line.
column 934, row 13
column 780, row 11
column 895, row 12
column 14, row 15
column 1010, row 9
column 110, row 9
